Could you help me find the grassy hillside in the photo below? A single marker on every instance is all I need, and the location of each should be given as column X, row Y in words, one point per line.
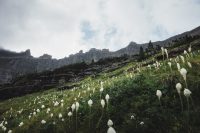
column 132, row 106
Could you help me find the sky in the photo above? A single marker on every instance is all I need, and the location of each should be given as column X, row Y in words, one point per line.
column 64, row 27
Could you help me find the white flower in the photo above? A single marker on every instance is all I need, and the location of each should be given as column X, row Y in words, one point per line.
column 51, row 115
column 60, row 115
column 189, row 64
column 56, row 103
column 183, row 72
column 21, row 124
column 110, row 123
column 107, row 97
column 94, row 90
column 170, row 64
column 29, row 116
column 4, row 128
column 132, row 117
column 178, row 66
column 10, row 131
column 166, row 52
column 48, row 110
column 38, row 110
column 102, row 103
column 62, row 101
column 178, row 87
column 190, row 49
column 42, row 106
column 73, row 107
column 185, row 52
column 162, row 49
column 149, row 66
column 70, row 114
column 141, row 123
column 77, row 106
column 183, row 59
column 34, row 113
column 187, row 92
column 43, row 122
column 101, row 90
column 158, row 94
column 90, row 102
column 62, row 105
column 111, row 130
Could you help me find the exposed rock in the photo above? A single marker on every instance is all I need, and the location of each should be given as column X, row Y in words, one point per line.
column 13, row 64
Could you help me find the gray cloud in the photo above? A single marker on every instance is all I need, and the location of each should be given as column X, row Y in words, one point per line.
column 64, row 27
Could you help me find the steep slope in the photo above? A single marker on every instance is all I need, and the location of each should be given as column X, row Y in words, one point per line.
column 132, row 105
column 12, row 62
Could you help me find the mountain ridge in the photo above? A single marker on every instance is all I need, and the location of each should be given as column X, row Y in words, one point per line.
column 14, row 64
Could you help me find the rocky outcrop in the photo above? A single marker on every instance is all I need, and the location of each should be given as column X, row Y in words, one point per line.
column 13, row 64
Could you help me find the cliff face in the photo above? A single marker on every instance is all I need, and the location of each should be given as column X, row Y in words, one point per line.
column 13, row 64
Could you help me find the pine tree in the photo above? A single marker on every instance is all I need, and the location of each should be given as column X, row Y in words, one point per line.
column 141, row 54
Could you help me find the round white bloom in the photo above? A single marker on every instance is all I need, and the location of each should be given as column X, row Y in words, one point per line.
column 101, row 90
column 51, row 115
column 10, row 131
column 43, row 122
column 90, row 102
column 70, row 114
column 48, row 110
column 110, row 123
column 38, row 110
column 73, row 107
column 187, row 92
column 4, row 128
column 60, row 115
column 185, row 52
column 183, row 72
column 141, row 123
column 102, row 103
column 178, row 87
column 111, row 130
column 190, row 49
column 107, row 97
column 158, row 94
column 56, row 103
column 62, row 101
column 132, row 117
column 42, row 106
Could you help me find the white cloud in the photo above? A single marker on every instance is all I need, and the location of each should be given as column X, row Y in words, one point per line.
column 55, row 27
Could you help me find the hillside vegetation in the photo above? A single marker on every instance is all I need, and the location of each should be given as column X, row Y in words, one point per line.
column 140, row 97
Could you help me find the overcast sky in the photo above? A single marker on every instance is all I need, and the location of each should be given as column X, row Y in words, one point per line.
column 63, row 27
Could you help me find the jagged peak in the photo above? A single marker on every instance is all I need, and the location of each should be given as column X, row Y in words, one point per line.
column 132, row 44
